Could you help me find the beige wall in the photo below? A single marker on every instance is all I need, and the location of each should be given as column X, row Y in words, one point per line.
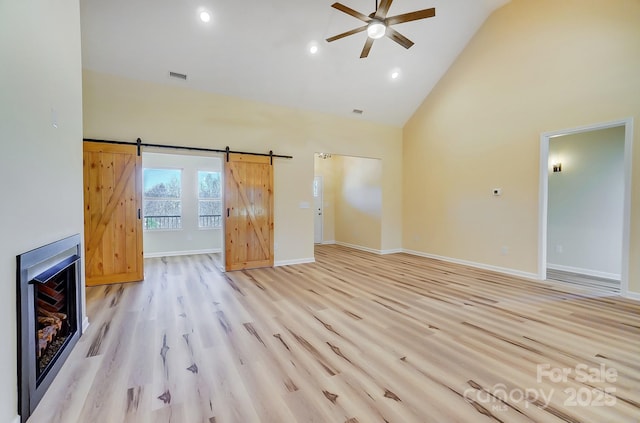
column 123, row 109
column 358, row 201
column 40, row 166
column 535, row 66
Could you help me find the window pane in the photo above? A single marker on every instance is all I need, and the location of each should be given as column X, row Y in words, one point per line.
column 162, row 205
column 209, row 213
column 162, row 222
column 208, row 184
column 209, row 202
column 209, row 207
column 162, row 183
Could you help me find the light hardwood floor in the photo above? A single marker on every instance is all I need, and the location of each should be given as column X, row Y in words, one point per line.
column 354, row 337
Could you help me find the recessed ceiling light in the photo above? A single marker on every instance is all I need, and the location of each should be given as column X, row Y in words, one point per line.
column 313, row 47
column 205, row 16
column 395, row 74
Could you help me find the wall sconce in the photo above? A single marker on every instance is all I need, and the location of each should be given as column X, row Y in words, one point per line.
column 557, row 167
column 324, row 155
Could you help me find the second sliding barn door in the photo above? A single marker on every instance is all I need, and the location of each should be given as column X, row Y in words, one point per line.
column 248, row 201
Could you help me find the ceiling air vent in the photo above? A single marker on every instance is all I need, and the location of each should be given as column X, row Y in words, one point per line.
column 357, row 111
column 178, row 75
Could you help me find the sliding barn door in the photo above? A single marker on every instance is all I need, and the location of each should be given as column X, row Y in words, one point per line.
column 248, row 200
column 112, row 224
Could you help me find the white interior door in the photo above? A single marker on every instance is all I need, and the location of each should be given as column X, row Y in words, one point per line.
column 317, row 209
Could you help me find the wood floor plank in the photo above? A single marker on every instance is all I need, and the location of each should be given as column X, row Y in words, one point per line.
column 352, row 338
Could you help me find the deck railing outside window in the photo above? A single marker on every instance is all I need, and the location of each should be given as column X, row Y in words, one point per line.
column 209, row 221
column 162, row 222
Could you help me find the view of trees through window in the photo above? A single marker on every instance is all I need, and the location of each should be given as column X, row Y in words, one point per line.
column 209, row 199
column 162, row 198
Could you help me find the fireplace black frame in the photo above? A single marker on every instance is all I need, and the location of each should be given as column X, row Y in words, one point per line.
column 59, row 256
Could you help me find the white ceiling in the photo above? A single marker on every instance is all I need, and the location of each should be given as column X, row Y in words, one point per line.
column 258, row 49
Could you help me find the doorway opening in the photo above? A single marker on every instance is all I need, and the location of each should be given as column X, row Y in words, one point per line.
column 585, row 180
column 182, row 205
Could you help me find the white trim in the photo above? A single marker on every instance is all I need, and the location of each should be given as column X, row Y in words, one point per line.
column 16, row 419
column 331, row 242
column 359, row 247
column 294, row 261
column 544, row 187
column 543, row 204
column 626, row 213
column 391, row 251
column 581, row 271
column 631, row 295
column 367, row 249
column 183, row 253
column 85, row 324
column 498, row 269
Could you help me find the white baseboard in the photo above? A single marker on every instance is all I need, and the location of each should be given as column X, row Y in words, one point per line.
column 85, row 324
column 330, row 242
column 359, row 247
column 580, row 271
column 294, row 261
column 16, row 419
column 367, row 249
column 392, row 251
column 483, row 266
column 182, row 253
column 631, row 295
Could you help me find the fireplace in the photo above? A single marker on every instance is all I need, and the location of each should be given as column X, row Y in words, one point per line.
column 49, row 316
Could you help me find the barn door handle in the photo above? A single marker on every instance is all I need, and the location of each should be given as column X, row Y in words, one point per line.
column 227, row 211
column 139, row 215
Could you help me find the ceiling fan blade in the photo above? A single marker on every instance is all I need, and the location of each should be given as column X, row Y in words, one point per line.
column 383, row 9
column 398, row 38
column 350, row 11
column 367, row 48
column 346, row 34
column 412, row 16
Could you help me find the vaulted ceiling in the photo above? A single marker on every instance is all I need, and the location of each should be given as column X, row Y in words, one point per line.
column 259, row 50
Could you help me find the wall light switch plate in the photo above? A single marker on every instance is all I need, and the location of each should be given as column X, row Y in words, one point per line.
column 304, row 205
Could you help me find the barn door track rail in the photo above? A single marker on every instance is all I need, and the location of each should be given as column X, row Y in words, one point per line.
column 226, row 150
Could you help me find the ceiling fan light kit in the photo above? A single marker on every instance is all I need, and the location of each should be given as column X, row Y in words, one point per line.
column 378, row 24
column 376, row 29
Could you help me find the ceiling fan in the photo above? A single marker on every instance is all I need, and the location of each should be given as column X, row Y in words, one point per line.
column 378, row 25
